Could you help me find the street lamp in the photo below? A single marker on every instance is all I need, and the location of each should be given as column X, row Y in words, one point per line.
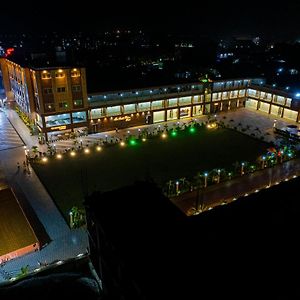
column 219, row 172
column 263, row 162
column 177, row 187
column 205, row 179
column 71, row 219
column 242, row 169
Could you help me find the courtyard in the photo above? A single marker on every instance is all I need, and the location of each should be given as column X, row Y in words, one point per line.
column 181, row 154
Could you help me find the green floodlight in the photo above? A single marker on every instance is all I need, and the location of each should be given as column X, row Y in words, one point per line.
column 174, row 133
column 132, row 142
column 192, row 130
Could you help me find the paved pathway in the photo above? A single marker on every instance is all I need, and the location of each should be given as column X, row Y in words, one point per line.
column 64, row 243
column 229, row 191
column 9, row 138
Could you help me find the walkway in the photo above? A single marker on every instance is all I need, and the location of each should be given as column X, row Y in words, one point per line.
column 65, row 243
column 229, row 191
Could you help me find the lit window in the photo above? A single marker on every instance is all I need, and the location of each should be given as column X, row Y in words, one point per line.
column 46, row 76
column 75, row 73
column 63, row 104
column 78, row 102
column 59, row 75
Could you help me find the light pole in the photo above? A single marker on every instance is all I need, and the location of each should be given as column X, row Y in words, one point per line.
column 219, row 172
column 263, row 162
column 71, row 219
column 205, row 180
column 177, row 187
column 242, row 169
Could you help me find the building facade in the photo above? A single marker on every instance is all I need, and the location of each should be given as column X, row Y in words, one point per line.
column 56, row 99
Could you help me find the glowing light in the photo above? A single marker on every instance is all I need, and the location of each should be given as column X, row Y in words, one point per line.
column 192, row 129
column 122, row 144
column 98, row 148
column 132, row 142
column 86, row 150
column 164, row 136
column 143, row 139
column 59, row 156
column 44, row 159
column 173, row 133
column 205, row 174
column 73, row 153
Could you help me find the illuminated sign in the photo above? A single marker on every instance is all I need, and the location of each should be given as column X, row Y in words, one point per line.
column 59, row 128
column 125, row 118
column 9, row 51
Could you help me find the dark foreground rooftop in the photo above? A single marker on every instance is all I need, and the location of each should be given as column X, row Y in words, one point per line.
column 245, row 250
column 71, row 280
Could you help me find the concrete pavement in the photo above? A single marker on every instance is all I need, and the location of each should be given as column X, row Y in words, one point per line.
column 229, row 191
column 64, row 242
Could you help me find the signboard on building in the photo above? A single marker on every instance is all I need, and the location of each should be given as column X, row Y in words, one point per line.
column 59, row 128
column 125, row 118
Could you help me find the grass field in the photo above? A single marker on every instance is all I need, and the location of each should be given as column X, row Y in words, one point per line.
column 182, row 155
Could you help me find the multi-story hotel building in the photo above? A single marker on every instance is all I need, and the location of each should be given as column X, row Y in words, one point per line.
column 56, row 99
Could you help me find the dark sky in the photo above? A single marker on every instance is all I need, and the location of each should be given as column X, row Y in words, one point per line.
column 264, row 18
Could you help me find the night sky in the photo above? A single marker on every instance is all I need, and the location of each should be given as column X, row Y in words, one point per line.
column 263, row 18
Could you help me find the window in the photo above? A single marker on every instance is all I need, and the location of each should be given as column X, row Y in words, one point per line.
column 76, row 88
column 49, row 107
column 63, row 104
column 58, row 120
column 59, row 75
column 79, row 117
column 78, row 102
column 46, row 76
column 47, row 91
column 75, row 73
column 61, row 89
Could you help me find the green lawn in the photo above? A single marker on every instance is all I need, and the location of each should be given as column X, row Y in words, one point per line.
column 161, row 159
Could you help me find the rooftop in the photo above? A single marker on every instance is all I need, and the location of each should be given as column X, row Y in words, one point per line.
column 15, row 230
column 221, row 252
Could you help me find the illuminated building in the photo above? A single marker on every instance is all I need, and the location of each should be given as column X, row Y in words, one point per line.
column 56, row 99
